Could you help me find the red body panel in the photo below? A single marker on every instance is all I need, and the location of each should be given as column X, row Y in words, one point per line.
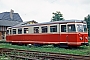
column 69, row 38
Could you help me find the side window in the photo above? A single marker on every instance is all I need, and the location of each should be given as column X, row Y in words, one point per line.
column 36, row 29
column 26, row 30
column 14, row 31
column 44, row 29
column 63, row 28
column 53, row 28
column 10, row 31
column 20, row 31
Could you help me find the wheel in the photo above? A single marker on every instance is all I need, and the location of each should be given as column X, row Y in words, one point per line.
column 63, row 45
column 55, row 45
column 37, row 45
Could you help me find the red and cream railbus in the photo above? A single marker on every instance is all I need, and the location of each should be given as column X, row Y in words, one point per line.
column 67, row 32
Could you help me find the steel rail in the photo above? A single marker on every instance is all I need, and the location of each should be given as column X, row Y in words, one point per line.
column 34, row 55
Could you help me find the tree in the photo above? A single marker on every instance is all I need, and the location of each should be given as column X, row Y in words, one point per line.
column 87, row 19
column 57, row 16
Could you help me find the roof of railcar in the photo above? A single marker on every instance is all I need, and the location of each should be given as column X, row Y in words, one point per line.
column 47, row 23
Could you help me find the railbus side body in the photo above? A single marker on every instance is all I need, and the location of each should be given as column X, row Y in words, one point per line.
column 70, row 33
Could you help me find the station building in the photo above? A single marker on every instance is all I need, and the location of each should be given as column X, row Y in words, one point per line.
column 8, row 19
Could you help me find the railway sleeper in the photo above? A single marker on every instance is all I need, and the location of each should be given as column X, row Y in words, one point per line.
column 23, row 57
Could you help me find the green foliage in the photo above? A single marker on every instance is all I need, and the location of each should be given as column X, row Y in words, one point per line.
column 4, row 58
column 57, row 16
column 87, row 19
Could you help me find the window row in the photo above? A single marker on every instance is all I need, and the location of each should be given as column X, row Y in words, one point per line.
column 14, row 31
column 46, row 29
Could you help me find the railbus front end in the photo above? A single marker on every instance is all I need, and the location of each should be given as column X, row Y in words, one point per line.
column 77, row 34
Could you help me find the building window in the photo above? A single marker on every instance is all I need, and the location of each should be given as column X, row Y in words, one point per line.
column 14, row 31
column 44, row 29
column 0, row 28
column 53, row 28
column 26, row 30
column 36, row 29
column 20, row 31
column 63, row 28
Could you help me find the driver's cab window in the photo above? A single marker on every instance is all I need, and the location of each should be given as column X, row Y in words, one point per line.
column 71, row 28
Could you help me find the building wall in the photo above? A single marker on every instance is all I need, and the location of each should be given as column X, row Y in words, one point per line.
column 3, row 30
column 8, row 19
column 0, row 35
column 32, row 22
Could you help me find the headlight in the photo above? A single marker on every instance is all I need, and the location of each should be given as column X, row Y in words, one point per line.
column 81, row 38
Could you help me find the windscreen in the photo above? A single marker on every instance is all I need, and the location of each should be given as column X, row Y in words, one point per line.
column 79, row 28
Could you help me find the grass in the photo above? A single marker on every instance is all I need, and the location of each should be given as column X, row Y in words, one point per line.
column 4, row 58
column 82, row 50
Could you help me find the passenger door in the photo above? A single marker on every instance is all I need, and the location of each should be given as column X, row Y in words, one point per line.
column 63, row 33
column 72, row 35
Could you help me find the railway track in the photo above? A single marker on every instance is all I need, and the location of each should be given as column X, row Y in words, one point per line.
column 15, row 54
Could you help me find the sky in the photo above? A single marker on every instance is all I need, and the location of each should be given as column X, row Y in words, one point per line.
column 41, row 10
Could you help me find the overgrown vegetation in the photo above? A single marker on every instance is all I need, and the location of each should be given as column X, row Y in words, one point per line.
column 57, row 16
column 4, row 58
column 87, row 19
column 82, row 50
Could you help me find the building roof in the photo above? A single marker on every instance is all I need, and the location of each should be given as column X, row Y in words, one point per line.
column 7, row 20
column 8, row 23
column 6, row 16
